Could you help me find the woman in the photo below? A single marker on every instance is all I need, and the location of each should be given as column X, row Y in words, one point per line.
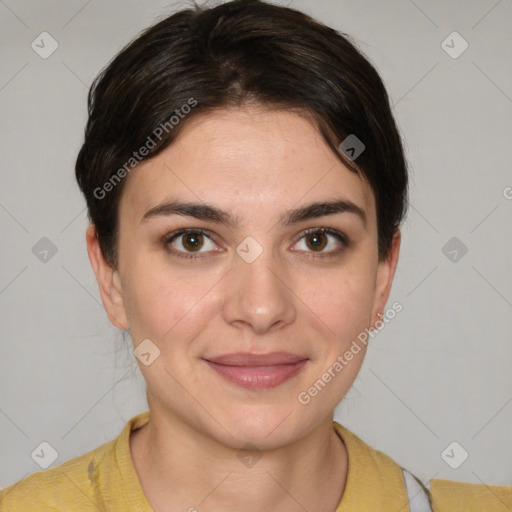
column 245, row 182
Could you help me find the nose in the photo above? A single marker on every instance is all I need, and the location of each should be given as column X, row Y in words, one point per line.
column 259, row 294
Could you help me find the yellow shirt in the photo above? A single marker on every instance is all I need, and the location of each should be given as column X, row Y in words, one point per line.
column 104, row 479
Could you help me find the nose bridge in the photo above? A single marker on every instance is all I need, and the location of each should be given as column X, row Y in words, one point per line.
column 258, row 270
column 260, row 294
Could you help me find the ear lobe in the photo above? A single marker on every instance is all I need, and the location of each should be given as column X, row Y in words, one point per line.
column 385, row 275
column 109, row 283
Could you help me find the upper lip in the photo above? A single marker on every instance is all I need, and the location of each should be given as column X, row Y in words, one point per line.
column 250, row 359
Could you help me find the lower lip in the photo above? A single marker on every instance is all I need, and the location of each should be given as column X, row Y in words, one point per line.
column 258, row 377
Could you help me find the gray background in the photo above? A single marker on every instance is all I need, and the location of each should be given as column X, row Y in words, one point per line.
column 440, row 372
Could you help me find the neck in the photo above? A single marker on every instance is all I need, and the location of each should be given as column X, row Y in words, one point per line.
column 180, row 469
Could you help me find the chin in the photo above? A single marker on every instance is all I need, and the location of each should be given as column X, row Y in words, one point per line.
column 265, row 426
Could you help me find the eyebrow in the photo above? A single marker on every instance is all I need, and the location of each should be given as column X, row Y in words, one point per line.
column 207, row 212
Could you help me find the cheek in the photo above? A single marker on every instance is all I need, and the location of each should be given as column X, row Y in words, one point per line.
column 342, row 300
column 164, row 304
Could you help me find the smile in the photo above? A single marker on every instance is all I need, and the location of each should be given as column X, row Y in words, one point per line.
column 258, row 371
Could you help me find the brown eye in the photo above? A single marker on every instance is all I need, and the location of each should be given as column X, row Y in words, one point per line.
column 316, row 240
column 192, row 241
column 185, row 242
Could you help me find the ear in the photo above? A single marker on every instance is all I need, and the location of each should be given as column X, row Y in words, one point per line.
column 385, row 273
column 109, row 282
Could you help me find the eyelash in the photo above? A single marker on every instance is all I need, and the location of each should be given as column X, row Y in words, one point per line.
column 168, row 239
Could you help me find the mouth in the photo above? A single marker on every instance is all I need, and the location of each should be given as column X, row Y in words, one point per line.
column 258, row 371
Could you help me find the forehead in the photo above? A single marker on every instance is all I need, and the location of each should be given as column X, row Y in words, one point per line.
column 250, row 159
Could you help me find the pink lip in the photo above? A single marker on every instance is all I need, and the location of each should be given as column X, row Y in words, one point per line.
column 258, row 371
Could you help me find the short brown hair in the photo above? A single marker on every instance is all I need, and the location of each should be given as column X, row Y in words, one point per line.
column 240, row 51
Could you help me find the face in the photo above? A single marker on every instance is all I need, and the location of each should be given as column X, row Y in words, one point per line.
column 252, row 305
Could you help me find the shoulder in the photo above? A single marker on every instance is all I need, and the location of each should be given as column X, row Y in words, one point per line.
column 436, row 495
column 449, row 495
column 96, row 480
column 376, row 479
column 68, row 486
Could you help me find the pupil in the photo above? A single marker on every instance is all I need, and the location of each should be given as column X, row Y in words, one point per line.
column 192, row 241
column 316, row 241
